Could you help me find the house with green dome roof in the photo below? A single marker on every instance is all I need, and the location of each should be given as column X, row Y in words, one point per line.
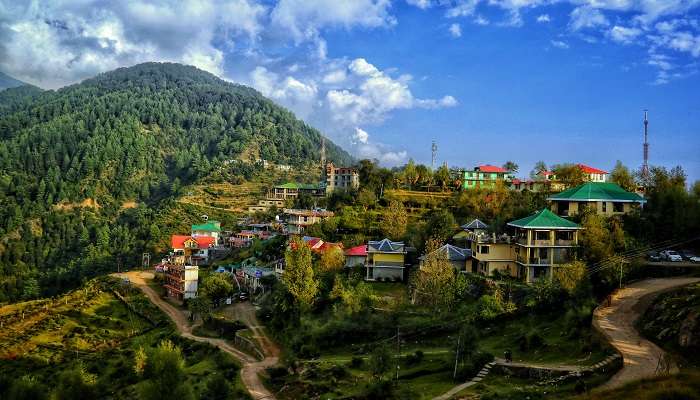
column 543, row 241
column 605, row 198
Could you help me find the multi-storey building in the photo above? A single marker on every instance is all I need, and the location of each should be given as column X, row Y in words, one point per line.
column 491, row 253
column 486, row 177
column 292, row 190
column 341, row 178
column 543, row 241
column 603, row 198
column 209, row 228
column 593, row 174
column 181, row 281
column 298, row 220
column 385, row 260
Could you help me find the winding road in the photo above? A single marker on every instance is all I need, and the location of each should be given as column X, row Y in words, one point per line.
column 616, row 321
column 251, row 367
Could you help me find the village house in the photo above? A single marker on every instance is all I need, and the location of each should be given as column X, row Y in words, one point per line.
column 190, row 250
column 491, row 253
column 207, row 229
column 341, row 178
column 298, row 220
column 459, row 258
column 355, row 256
column 593, row 174
column 466, row 231
column 486, row 177
column 385, row 260
column 266, row 204
column 292, row 190
column 543, row 241
column 181, row 281
column 319, row 246
column 605, row 198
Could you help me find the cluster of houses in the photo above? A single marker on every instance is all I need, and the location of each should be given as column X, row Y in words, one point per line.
column 530, row 248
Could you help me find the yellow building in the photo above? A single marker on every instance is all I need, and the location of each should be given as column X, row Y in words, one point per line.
column 602, row 197
column 544, row 241
column 492, row 253
column 385, row 260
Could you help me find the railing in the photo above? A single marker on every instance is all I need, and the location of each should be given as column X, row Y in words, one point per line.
column 539, row 261
column 542, row 242
column 563, row 242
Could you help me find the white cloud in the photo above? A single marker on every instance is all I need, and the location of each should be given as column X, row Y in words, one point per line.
column 481, row 20
column 623, row 34
column 463, row 8
column 542, row 18
column 587, row 17
column 455, row 30
column 305, row 18
column 333, row 77
column 559, row 44
column 422, row 4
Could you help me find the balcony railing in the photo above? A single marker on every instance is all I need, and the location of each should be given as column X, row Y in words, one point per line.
column 564, row 242
column 539, row 261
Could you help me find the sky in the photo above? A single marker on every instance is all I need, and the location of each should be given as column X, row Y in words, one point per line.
column 487, row 80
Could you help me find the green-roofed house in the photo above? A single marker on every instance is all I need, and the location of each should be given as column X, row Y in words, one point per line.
column 543, row 241
column 605, row 198
column 210, row 228
column 292, row 190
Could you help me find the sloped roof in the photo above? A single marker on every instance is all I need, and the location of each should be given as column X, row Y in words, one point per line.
column 454, row 253
column 490, row 168
column 598, row 191
column 359, row 251
column 544, row 219
column 211, row 226
column 590, row 170
column 294, row 185
column 475, row 224
column 312, row 241
column 385, row 246
column 203, row 242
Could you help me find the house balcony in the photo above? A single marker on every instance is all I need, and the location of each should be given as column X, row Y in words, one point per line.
column 563, row 242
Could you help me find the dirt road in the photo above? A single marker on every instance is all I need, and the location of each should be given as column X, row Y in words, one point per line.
column 641, row 357
column 251, row 367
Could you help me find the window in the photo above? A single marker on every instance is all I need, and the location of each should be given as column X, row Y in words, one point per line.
column 541, row 235
column 618, row 207
column 605, row 206
column 484, row 250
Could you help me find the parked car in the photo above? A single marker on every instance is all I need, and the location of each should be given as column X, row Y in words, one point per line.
column 671, row 255
column 690, row 256
column 653, row 256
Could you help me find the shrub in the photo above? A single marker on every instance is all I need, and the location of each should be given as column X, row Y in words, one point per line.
column 356, row 362
column 530, row 341
column 415, row 358
column 338, row 371
column 309, row 351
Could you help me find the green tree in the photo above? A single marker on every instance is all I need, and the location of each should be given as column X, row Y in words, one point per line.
column 299, row 273
column 76, row 383
column 595, row 238
column 332, row 260
column 440, row 225
column 217, row 388
column 435, row 280
column 410, row 174
column 379, row 361
column 569, row 174
column 200, row 306
column 27, row 388
column 366, row 198
column 510, row 166
column 165, row 370
column 623, row 177
column 216, row 287
column 540, row 166
column 394, row 220
column 442, row 176
column 571, row 276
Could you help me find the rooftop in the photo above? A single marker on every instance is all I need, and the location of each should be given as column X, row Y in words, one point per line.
column 203, row 242
column 385, row 246
column 359, row 251
column 308, row 213
column 210, row 226
column 453, row 253
column 490, row 168
column 475, row 224
column 544, row 219
column 591, row 170
column 294, row 185
column 597, row 191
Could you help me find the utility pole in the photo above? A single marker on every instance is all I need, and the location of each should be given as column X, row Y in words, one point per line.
column 454, row 374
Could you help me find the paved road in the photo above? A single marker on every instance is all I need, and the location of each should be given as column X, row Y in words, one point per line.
column 251, row 367
column 641, row 357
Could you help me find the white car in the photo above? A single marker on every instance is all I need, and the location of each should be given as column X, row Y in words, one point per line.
column 671, row 255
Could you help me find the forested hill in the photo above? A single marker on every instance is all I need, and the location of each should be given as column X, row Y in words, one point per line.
column 6, row 81
column 69, row 159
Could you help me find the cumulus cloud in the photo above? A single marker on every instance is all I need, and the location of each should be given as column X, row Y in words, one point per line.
column 455, row 30
column 422, row 4
column 360, row 136
column 622, row 34
column 543, row 18
column 587, row 17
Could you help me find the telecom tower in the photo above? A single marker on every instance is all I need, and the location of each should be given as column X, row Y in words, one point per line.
column 645, row 166
column 434, row 150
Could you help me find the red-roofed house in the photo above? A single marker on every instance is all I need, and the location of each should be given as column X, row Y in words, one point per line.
column 191, row 250
column 486, row 176
column 356, row 255
column 594, row 174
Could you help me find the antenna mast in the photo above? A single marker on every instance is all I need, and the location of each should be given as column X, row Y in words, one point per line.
column 434, row 150
column 645, row 166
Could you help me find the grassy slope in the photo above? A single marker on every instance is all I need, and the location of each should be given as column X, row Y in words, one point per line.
column 92, row 327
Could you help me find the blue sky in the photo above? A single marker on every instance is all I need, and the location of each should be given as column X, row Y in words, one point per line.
column 488, row 80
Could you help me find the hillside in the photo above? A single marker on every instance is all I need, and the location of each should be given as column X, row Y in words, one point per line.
column 71, row 158
column 6, row 81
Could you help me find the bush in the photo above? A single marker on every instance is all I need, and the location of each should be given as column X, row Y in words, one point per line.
column 338, row 371
column 415, row 358
column 277, row 373
column 356, row 362
column 530, row 341
column 309, row 351
column 378, row 390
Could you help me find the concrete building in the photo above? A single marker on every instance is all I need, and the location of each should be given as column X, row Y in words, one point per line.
column 605, row 198
column 292, row 190
column 491, row 253
column 265, row 204
column 486, row 177
column 385, row 260
column 544, row 241
column 356, row 256
column 459, row 258
column 181, row 281
column 209, row 228
column 341, row 178
column 594, row 174
column 298, row 220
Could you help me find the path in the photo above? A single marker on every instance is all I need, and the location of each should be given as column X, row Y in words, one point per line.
column 641, row 357
column 250, row 366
